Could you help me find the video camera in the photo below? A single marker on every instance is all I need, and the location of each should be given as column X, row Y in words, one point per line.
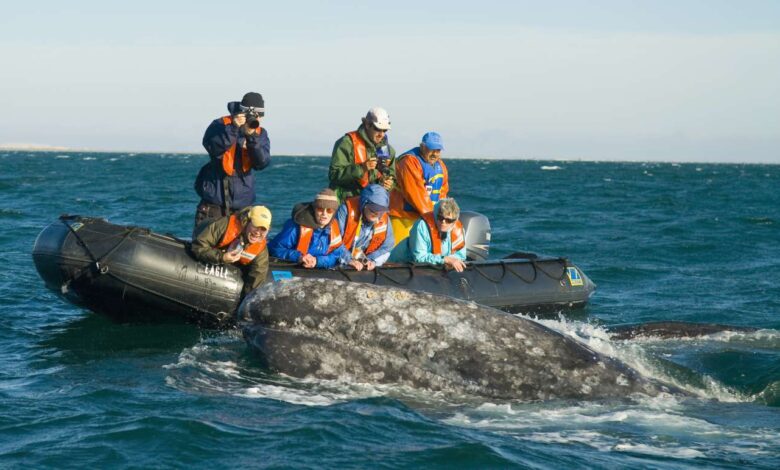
column 252, row 118
column 252, row 114
column 383, row 157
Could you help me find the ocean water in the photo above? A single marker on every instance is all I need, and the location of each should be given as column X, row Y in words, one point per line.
column 689, row 242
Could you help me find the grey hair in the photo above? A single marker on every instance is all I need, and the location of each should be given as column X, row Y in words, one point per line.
column 449, row 208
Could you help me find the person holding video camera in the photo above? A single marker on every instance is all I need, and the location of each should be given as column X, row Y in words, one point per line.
column 363, row 157
column 236, row 145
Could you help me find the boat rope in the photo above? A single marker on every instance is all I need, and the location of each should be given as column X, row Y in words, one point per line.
column 507, row 266
column 563, row 262
column 491, row 279
column 100, row 265
column 533, row 265
column 381, row 272
column 344, row 273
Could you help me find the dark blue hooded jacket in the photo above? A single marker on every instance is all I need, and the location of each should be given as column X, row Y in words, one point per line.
column 209, row 183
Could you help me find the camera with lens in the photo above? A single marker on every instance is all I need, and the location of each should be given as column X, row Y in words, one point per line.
column 252, row 118
column 383, row 157
column 251, row 114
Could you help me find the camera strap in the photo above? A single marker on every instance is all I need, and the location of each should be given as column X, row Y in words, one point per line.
column 226, row 194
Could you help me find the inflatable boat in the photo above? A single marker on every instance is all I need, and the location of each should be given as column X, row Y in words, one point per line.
column 133, row 274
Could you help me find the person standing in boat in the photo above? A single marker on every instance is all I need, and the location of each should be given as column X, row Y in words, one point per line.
column 421, row 181
column 236, row 145
column 365, row 228
column 363, row 157
column 239, row 238
column 436, row 238
column 312, row 237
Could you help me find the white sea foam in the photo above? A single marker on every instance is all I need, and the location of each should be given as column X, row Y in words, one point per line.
column 764, row 338
column 593, row 424
column 660, row 451
column 635, row 355
column 210, row 367
column 550, row 167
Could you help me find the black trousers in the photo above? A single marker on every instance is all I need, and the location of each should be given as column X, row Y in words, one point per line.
column 205, row 214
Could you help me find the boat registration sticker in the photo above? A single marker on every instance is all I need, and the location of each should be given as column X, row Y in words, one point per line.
column 281, row 275
column 574, row 276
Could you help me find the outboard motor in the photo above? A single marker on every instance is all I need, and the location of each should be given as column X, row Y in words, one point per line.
column 477, row 228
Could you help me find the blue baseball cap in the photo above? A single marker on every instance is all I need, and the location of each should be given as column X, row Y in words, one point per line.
column 432, row 140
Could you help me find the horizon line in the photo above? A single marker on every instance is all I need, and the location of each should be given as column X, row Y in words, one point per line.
column 54, row 149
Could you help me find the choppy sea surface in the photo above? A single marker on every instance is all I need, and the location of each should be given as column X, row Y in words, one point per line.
column 663, row 241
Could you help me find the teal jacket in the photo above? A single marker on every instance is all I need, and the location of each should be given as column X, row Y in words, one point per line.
column 418, row 247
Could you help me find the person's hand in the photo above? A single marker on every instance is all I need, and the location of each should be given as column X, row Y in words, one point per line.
column 370, row 164
column 239, row 120
column 454, row 263
column 356, row 264
column 230, row 257
column 387, row 182
column 308, row 261
column 370, row 265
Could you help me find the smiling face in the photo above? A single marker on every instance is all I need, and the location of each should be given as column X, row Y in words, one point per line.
column 255, row 234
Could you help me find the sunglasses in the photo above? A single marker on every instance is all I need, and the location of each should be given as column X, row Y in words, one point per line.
column 373, row 126
column 325, row 210
column 447, row 219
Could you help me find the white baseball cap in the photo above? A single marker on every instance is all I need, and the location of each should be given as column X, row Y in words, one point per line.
column 379, row 118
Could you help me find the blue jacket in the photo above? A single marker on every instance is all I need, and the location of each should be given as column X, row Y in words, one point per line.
column 217, row 140
column 371, row 194
column 284, row 245
column 418, row 247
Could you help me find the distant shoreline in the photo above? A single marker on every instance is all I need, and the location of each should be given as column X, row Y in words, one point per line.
column 44, row 149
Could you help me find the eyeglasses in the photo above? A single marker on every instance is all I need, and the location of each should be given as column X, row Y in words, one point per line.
column 447, row 219
column 325, row 210
column 373, row 126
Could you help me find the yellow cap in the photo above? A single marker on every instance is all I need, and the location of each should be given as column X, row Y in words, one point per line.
column 260, row 216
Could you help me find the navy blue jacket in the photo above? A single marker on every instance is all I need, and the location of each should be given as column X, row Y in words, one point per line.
column 217, row 140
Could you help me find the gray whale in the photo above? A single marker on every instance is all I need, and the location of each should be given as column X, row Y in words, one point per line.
column 365, row 333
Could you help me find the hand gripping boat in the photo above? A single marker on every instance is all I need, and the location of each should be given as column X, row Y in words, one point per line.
column 134, row 274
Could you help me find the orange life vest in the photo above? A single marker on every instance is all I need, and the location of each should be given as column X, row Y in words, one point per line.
column 361, row 155
column 248, row 252
column 304, row 239
column 458, row 239
column 353, row 221
column 230, row 154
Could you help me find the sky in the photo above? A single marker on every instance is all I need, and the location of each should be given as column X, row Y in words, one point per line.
column 629, row 80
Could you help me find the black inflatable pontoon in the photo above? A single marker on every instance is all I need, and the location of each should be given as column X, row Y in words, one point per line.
column 134, row 274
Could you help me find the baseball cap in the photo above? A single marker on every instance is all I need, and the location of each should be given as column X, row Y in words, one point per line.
column 260, row 216
column 379, row 118
column 432, row 140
